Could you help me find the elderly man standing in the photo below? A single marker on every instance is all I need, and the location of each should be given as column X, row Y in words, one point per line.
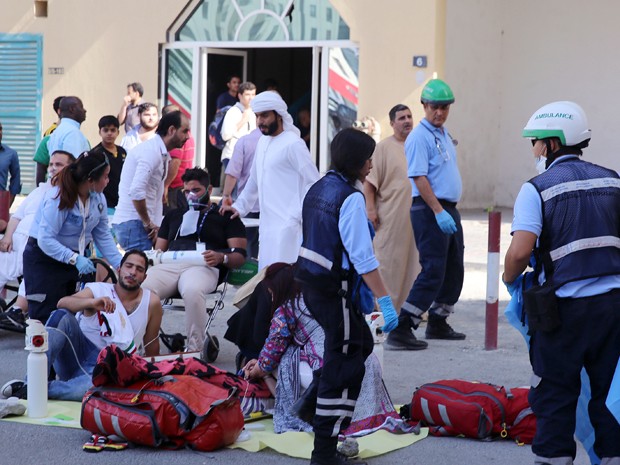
column 280, row 176
column 140, row 210
column 388, row 199
column 436, row 188
column 67, row 137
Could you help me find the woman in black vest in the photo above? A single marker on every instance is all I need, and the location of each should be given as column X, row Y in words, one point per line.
column 337, row 251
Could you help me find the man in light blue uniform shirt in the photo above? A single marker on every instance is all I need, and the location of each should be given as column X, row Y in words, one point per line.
column 9, row 165
column 67, row 136
column 436, row 189
column 568, row 217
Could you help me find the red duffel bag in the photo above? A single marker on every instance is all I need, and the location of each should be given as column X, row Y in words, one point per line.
column 454, row 407
column 171, row 412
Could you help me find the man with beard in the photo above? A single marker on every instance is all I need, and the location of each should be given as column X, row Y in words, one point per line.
column 145, row 130
column 281, row 174
column 200, row 227
column 141, row 189
column 101, row 314
column 388, row 199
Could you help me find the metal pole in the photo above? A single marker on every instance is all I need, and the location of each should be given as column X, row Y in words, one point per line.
column 490, row 334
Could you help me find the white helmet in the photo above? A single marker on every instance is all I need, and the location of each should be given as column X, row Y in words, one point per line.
column 565, row 120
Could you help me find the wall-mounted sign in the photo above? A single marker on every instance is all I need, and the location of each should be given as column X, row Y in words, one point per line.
column 56, row 70
column 420, row 61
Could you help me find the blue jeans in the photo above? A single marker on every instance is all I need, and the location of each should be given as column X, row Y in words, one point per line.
column 441, row 257
column 72, row 382
column 132, row 235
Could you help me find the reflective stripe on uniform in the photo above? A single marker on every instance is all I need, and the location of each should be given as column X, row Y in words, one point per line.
column 583, row 244
column 580, row 185
column 316, row 258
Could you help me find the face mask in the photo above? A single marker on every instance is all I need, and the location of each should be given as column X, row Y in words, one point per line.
column 196, row 202
column 540, row 164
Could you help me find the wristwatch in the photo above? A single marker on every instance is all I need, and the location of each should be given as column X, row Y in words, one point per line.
column 73, row 259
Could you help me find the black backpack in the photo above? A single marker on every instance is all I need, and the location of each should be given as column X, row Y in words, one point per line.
column 215, row 128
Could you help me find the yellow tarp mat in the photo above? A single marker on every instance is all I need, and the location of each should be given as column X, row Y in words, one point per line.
column 300, row 444
column 59, row 413
column 259, row 433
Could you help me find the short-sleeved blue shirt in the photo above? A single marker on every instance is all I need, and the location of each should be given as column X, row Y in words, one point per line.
column 430, row 152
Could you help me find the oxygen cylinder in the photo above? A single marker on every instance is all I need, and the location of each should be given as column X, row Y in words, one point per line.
column 191, row 257
column 376, row 321
column 36, row 343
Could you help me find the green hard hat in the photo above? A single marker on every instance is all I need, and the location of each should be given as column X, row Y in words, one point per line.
column 437, row 91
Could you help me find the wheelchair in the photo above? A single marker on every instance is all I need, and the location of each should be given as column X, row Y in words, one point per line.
column 176, row 342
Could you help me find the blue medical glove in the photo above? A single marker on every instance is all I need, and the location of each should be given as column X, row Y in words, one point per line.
column 389, row 313
column 446, row 222
column 84, row 265
column 513, row 286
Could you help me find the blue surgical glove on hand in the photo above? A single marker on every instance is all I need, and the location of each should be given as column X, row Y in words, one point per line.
column 84, row 265
column 446, row 222
column 513, row 286
column 389, row 313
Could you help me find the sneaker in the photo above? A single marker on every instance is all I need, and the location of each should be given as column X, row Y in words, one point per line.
column 438, row 328
column 13, row 320
column 14, row 388
column 402, row 338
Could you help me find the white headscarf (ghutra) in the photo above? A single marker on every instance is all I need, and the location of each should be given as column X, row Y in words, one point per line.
column 270, row 100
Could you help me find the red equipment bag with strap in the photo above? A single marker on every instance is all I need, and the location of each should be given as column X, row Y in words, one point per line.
column 455, row 407
column 520, row 417
column 171, row 412
column 475, row 410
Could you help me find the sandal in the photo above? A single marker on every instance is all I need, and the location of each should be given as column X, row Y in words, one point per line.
column 115, row 445
column 95, row 444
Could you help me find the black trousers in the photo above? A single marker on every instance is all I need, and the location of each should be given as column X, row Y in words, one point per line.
column 589, row 336
column 348, row 342
column 47, row 281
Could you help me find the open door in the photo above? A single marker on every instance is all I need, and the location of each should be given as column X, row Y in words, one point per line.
column 338, row 96
column 220, row 65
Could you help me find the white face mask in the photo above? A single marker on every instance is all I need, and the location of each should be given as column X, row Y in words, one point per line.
column 540, row 164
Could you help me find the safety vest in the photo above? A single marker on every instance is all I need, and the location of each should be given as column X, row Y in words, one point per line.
column 320, row 258
column 580, row 235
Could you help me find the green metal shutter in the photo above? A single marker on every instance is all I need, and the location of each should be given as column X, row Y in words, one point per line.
column 21, row 76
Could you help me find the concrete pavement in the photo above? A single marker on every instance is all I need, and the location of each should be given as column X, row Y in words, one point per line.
column 508, row 366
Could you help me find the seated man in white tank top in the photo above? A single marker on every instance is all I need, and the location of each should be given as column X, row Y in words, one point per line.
column 101, row 314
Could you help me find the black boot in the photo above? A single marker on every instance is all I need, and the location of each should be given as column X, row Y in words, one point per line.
column 438, row 328
column 402, row 337
column 305, row 407
column 325, row 453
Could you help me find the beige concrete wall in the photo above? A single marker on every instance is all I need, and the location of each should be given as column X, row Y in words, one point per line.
column 506, row 59
column 473, row 54
column 102, row 46
column 389, row 35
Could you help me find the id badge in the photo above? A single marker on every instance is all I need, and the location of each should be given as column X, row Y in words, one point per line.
column 200, row 246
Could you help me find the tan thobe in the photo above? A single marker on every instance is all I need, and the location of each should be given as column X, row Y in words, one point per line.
column 394, row 243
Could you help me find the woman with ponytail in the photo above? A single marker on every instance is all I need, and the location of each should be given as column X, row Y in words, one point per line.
column 72, row 214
